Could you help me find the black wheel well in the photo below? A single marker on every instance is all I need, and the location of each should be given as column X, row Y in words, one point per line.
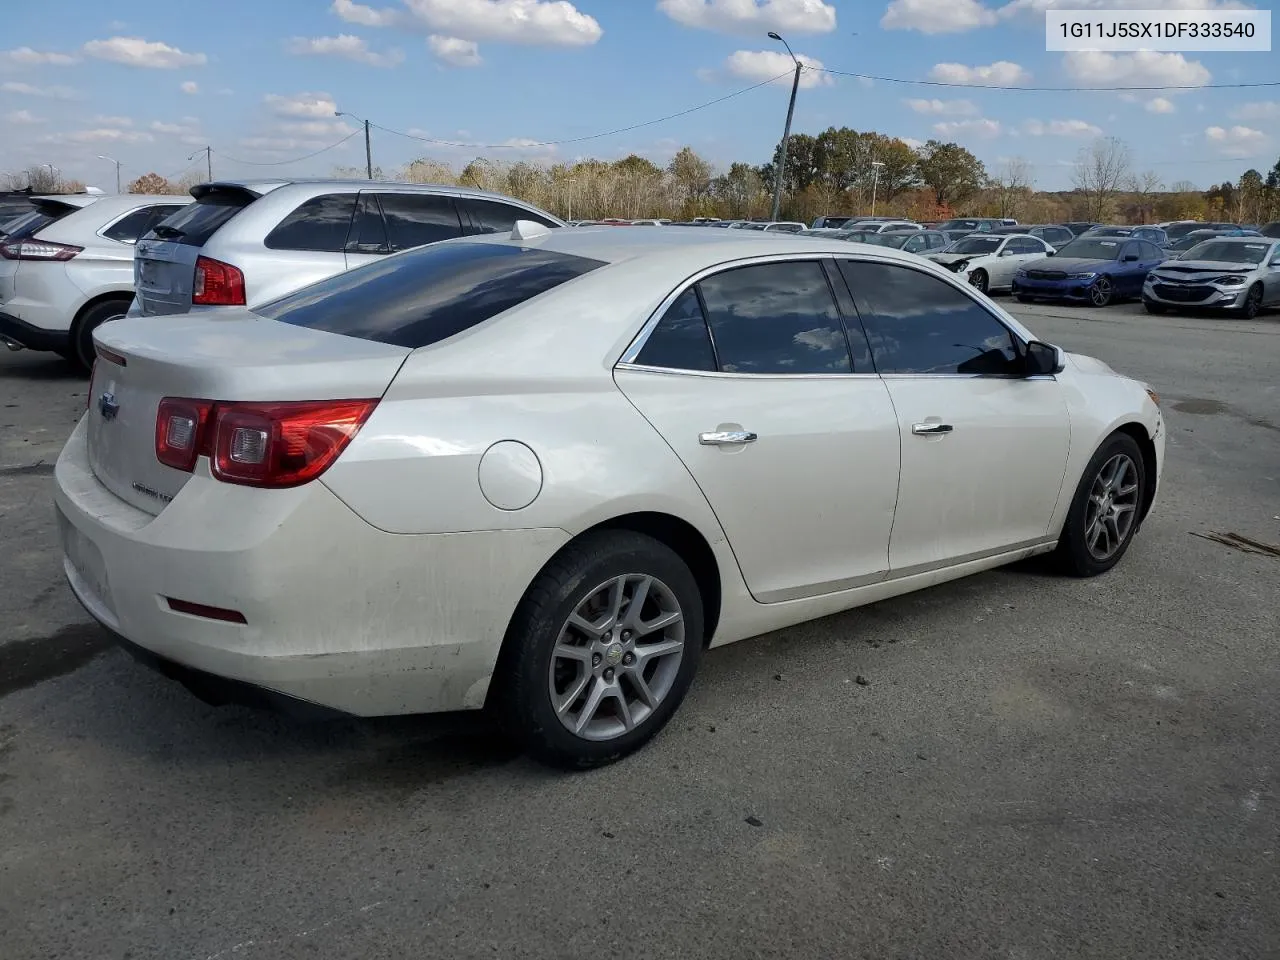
column 123, row 296
column 1139, row 434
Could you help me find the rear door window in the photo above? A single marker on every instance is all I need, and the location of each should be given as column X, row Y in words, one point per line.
column 195, row 223
column 681, row 340
column 491, row 216
column 428, row 294
column 319, row 224
column 416, row 219
column 133, row 225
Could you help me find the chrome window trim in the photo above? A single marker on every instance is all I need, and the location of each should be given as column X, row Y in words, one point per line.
column 721, row 375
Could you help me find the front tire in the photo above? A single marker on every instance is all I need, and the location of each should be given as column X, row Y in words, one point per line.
column 82, row 352
column 1102, row 292
column 601, row 651
column 1105, row 511
column 980, row 281
column 1155, row 308
column 1252, row 302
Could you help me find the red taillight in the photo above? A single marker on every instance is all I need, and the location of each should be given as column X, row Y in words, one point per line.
column 217, row 284
column 37, row 250
column 258, row 444
column 180, row 431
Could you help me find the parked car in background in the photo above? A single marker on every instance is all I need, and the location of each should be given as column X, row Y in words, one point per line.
column 71, row 269
column 1079, row 226
column 379, row 502
column 44, row 211
column 647, row 223
column 820, row 223
column 1153, row 234
column 970, row 225
column 1052, row 234
column 775, row 226
column 1182, row 245
column 1271, row 229
column 1240, row 274
column 989, row 261
column 249, row 241
column 881, row 225
column 916, row 241
column 1097, row 270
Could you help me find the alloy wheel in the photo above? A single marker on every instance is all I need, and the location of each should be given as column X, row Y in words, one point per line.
column 978, row 280
column 617, row 657
column 1112, row 507
column 1253, row 303
column 1100, row 292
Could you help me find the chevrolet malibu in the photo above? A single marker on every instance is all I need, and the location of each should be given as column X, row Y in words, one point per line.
column 540, row 473
column 1240, row 274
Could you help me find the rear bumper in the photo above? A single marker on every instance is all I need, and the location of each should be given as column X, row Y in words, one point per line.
column 338, row 613
column 30, row 336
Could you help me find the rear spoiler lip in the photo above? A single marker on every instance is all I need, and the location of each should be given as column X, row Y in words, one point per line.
column 201, row 190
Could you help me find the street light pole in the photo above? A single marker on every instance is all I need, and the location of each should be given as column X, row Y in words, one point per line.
column 117, row 163
column 786, row 132
column 368, row 145
column 875, row 182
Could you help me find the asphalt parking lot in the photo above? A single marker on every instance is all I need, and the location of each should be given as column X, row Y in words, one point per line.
column 1035, row 768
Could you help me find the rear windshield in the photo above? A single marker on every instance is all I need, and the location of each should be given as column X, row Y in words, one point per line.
column 427, row 294
column 25, row 225
column 195, row 223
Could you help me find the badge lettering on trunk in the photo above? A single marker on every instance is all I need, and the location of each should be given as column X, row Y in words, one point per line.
column 107, row 405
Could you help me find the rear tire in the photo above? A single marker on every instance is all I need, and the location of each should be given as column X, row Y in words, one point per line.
column 577, row 639
column 1105, row 510
column 81, row 351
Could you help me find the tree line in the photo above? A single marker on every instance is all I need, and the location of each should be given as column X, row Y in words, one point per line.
column 838, row 171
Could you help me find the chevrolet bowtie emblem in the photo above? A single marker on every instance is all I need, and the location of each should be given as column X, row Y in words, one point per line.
column 108, row 406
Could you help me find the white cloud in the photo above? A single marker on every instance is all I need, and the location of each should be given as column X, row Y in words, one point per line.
column 26, row 89
column 323, row 129
column 365, row 16
column 752, row 17
column 1000, row 73
column 981, row 127
column 1061, row 128
column 136, row 52
column 1159, row 105
column 190, row 87
column 760, row 65
column 22, row 118
column 26, row 57
column 1038, row 7
column 937, row 16
column 188, row 126
column 954, row 108
column 547, row 23
column 100, row 135
column 455, row 52
column 345, row 46
column 1091, row 68
column 1263, row 110
column 301, row 105
column 1237, row 142
column 106, row 121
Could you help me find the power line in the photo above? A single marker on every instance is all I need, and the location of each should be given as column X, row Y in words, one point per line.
column 1030, row 89
column 281, row 163
column 525, row 144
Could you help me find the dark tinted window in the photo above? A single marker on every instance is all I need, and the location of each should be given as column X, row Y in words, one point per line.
column 915, row 244
column 919, row 324
column 129, row 227
column 319, row 224
column 415, row 219
column 1021, row 245
column 776, row 318
column 428, row 294
column 195, row 223
column 1093, row 248
column 490, row 216
column 680, row 341
column 1151, row 252
column 26, row 225
column 369, row 232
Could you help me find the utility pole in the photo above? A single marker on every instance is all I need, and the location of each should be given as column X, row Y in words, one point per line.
column 117, row 163
column 786, row 132
column 368, row 146
column 208, row 159
column 875, row 182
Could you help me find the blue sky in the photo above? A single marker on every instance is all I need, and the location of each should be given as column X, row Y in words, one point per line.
column 147, row 82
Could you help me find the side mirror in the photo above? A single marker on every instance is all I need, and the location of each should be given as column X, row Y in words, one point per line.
column 1051, row 253
column 1043, row 359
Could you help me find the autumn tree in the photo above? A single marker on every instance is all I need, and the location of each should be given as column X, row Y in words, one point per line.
column 1012, row 186
column 1144, row 187
column 1101, row 170
column 952, row 172
column 150, row 183
column 740, row 191
column 692, row 176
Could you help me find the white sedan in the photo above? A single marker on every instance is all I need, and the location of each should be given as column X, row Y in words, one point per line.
column 989, row 261
column 540, row 473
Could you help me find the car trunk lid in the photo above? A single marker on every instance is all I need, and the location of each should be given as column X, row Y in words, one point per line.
column 164, row 263
column 235, row 356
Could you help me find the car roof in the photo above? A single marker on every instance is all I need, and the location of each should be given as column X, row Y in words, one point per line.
column 265, row 186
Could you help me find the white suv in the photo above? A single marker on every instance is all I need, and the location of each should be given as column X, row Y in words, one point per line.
column 68, row 269
column 245, row 242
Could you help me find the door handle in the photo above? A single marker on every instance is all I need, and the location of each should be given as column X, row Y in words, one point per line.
column 726, row 437
column 931, row 429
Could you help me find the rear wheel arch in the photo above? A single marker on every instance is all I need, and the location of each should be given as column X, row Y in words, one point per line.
column 78, row 346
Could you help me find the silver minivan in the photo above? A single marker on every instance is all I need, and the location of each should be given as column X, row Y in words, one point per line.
column 245, row 242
